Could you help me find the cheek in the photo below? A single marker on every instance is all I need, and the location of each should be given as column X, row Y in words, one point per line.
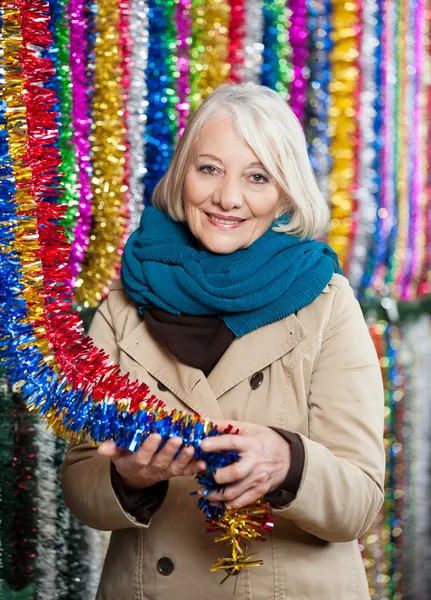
column 265, row 207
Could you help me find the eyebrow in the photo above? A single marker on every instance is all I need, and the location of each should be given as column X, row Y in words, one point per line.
column 213, row 157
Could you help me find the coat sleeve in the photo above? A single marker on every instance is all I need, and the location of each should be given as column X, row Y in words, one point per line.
column 86, row 476
column 342, row 484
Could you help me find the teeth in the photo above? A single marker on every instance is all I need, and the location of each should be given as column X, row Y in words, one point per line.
column 225, row 221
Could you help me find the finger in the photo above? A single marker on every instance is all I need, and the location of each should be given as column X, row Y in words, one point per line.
column 230, row 492
column 234, row 473
column 182, row 460
column 224, row 442
column 193, row 468
column 249, row 497
column 148, row 449
column 163, row 459
column 110, row 449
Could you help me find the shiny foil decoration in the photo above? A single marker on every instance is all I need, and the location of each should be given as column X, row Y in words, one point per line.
column 59, row 53
column 299, row 42
column 411, row 257
column 124, row 8
column 362, row 260
column 344, row 126
column 250, row 70
column 108, row 145
column 209, row 49
column 235, row 56
column 161, row 125
column 425, row 277
column 81, row 131
column 184, row 32
column 318, row 99
column 403, row 62
column 136, row 109
column 276, row 72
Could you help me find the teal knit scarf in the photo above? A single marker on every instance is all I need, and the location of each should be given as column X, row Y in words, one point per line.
column 274, row 277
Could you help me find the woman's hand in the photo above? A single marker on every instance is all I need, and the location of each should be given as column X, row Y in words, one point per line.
column 147, row 467
column 265, row 461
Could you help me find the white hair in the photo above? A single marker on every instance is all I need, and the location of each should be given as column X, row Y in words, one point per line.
column 269, row 126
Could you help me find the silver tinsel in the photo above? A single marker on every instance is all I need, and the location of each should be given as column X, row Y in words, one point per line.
column 46, row 505
column 253, row 47
column 366, row 213
column 137, row 108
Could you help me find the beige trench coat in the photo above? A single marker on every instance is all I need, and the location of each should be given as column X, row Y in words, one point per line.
column 321, row 378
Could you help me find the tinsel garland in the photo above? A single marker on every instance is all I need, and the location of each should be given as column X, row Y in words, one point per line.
column 161, row 127
column 362, row 260
column 277, row 72
column 317, row 108
column 7, row 480
column 343, row 125
column 137, row 108
column 370, row 181
column 125, row 44
column 253, row 47
column 298, row 39
column 108, row 144
column 59, row 54
column 235, row 57
column 82, row 126
column 184, row 33
column 209, row 49
column 425, row 284
column 401, row 173
column 47, row 484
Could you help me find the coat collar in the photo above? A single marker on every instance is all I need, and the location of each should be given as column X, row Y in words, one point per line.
column 245, row 356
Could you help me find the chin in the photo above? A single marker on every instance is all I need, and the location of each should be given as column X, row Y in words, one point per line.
column 220, row 246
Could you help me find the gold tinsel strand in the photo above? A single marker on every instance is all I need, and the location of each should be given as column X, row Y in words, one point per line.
column 108, row 140
column 343, row 126
column 209, row 49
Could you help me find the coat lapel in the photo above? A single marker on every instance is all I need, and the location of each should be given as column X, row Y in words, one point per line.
column 254, row 351
column 187, row 383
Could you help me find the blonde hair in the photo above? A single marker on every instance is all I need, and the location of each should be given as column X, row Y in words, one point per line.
column 269, row 126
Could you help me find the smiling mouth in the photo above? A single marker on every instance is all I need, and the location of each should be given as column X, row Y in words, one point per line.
column 226, row 221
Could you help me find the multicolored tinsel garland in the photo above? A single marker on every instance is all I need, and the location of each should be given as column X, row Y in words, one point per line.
column 161, row 127
column 108, row 146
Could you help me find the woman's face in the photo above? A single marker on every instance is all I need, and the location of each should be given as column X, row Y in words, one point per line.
column 229, row 198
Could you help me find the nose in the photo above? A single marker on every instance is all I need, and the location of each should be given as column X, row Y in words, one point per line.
column 229, row 194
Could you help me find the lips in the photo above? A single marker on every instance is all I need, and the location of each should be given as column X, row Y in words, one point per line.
column 224, row 221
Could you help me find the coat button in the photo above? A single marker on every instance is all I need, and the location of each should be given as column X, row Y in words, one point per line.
column 162, row 387
column 256, row 380
column 165, row 566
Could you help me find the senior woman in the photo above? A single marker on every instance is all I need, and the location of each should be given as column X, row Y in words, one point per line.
column 228, row 307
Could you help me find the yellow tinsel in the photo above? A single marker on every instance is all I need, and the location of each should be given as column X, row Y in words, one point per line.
column 109, row 212
column 209, row 49
column 343, row 124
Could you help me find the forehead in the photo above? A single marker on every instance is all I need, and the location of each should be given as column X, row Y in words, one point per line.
column 219, row 136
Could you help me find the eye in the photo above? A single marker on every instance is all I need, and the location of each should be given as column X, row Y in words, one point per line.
column 211, row 169
column 259, row 178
